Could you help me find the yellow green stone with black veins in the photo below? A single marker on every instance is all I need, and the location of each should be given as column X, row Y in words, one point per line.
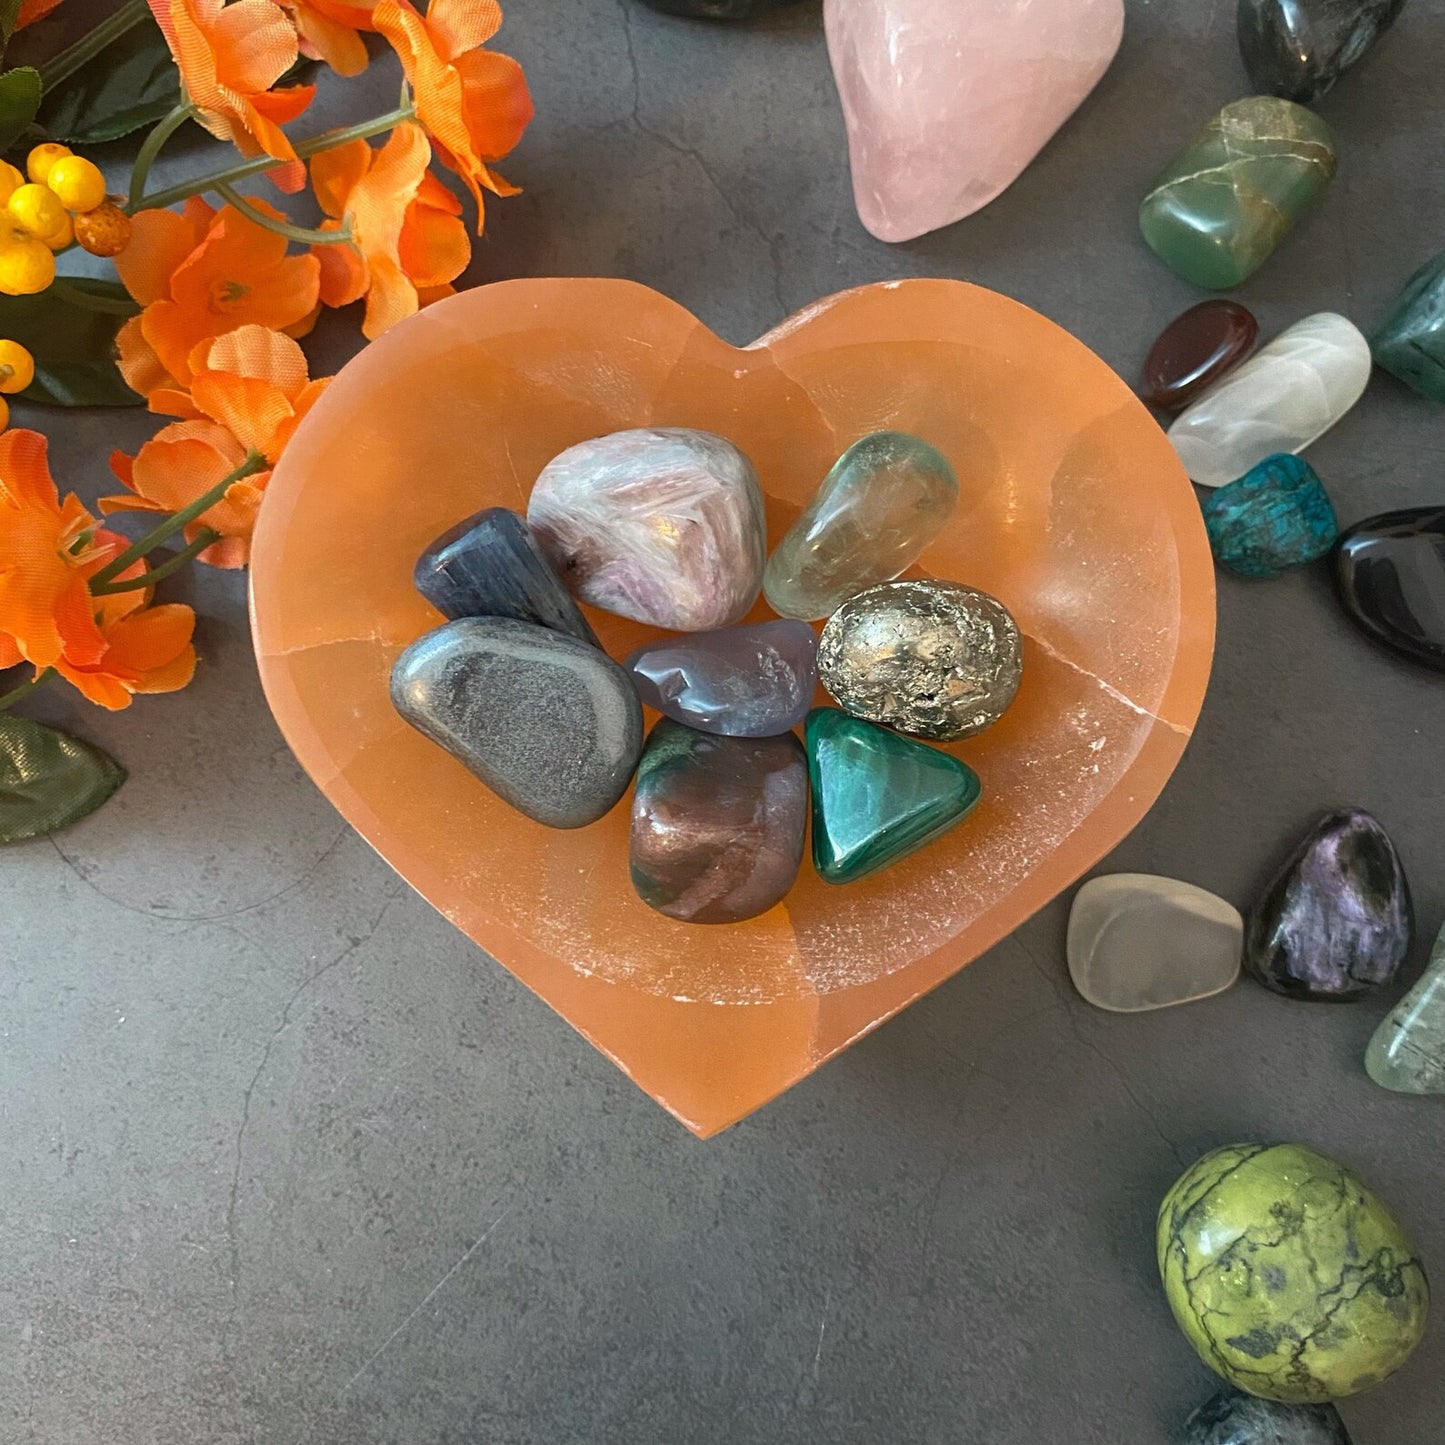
column 1288, row 1275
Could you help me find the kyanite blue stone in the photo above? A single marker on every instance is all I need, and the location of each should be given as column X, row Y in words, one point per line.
column 1277, row 515
column 491, row 566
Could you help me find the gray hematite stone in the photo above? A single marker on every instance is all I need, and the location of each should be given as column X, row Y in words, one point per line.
column 1232, row 1418
column 551, row 725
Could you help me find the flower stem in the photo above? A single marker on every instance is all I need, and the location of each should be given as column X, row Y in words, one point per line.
column 89, row 301
column 164, row 129
column 60, row 68
column 7, row 700
column 304, row 234
column 313, row 145
column 254, row 462
column 204, row 538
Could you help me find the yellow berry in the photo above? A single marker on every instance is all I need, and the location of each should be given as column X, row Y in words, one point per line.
column 4, row 413
column 40, row 160
column 65, row 236
column 17, row 367
column 10, row 180
column 105, row 231
column 26, row 266
column 77, row 182
column 37, row 209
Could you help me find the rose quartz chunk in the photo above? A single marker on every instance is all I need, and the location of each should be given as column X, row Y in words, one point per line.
column 947, row 102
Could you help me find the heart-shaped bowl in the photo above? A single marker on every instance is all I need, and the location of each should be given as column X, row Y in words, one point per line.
column 1073, row 510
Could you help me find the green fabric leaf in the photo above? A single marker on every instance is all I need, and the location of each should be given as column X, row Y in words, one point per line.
column 48, row 779
column 132, row 83
column 70, row 331
column 19, row 100
column 9, row 14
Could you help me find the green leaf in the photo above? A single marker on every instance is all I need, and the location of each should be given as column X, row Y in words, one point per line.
column 70, row 331
column 9, row 14
column 48, row 779
column 19, row 100
column 132, row 83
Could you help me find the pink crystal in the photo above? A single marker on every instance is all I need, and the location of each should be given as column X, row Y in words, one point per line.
column 947, row 101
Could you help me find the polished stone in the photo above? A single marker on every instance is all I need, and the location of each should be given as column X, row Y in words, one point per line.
column 936, row 659
column 717, row 9
column 1195, row 350
column 878, row 797
column 1407, row 1052
column 883, row 502
column 1390, row 572
column 946, row 104
column 1410, row 342
column 1138, row 942
column 661, row 524
column 1298, row 49
column 548, row 723
column 491, row 566
column 1226, row 201
column 1336, row 922
column 751, row 682
column 1288, row 1275
column 717, row 823
column 1289, row 394
column 1234, row 1418
column 1276, row 516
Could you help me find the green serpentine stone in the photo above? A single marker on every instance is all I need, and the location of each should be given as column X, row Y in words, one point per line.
column 1288, row 1275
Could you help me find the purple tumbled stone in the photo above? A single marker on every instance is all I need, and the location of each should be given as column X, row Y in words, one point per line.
column 745, row 682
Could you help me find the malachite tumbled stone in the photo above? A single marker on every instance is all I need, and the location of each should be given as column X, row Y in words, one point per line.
column 877, row 796
column 1277, row 515
column 1407, row 1053
column 1227, row 200
column 1410, row 341
column 1288, row 1275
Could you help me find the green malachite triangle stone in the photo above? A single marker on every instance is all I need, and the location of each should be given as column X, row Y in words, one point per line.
column 877, row 796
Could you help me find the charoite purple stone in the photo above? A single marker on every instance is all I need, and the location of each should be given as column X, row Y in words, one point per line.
column 662, row 524
column 1336, row 922
column 746, row 682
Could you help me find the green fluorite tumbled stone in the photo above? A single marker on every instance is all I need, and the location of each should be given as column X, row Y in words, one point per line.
column 1225, row 202
column 877, row 796
column 1288, row 1275
column 1407, row 1052
column 1410, row 342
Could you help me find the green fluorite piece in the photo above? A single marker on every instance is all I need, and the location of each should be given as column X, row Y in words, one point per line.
column 1288, row 1275
column 1228, row 198
column 1407, row 1052
column 877, row 796
column 1410, row 342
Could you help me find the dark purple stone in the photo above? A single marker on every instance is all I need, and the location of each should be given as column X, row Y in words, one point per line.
column 1391, row 574
column 1336, row 922
column 1232, row 1418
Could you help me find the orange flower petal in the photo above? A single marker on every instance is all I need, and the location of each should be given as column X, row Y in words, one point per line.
column 249, row 408
column 460, row 25
column 344, row 274
column 10, row 655
column 334, row 174
column 160, row 242
column 497, row 103
column 254, row 43
column 260, row 352
column 434, row 247
column 323, row 38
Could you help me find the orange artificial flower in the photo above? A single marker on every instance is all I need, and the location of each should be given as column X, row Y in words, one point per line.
column 30, row 12
column 474, row 103
column 229, row 56
column 199, row 275
column 407, row 235
column 249, row 390
column 328, row 30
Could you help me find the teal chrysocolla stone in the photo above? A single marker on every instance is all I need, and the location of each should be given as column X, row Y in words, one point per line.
column 1276, row 516
column 877, row 796
column 1407, row 1052
column 1410, row 342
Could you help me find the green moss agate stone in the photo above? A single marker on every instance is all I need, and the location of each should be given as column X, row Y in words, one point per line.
column 877, row 796
column 1288, row 1275
column 1410, row 342
column 1227, row 200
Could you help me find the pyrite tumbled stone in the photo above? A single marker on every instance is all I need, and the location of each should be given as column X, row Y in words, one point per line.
column 1390, row 571
column 1226, row 201
column 1195, row 350
column 1233, row 1418
column 1407, row 1052
column 1276, row 516
column 1410, row 342
column 1298, row 49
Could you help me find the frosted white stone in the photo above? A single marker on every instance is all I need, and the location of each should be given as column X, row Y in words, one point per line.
column 1287, row 395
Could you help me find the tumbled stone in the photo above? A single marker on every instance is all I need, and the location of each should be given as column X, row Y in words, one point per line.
column 1234, row 1418
column 946, row 104
column 1276, row 516
column 717, row 823
column 1410, row 342
column 662, row 524
column 751, row 682
column 1139, row 942
column 491, row 566
column 1336, row 922
column 883, row 502
column 1227, row 200
column 936, row 659
column 1407, row 1052
column 1287, row 395
column 1288, row 1276
column 1390, row 571
column 1195, row 350
column 878, row 797
column 548, row 723
column 717, row 9
column 1298, row 49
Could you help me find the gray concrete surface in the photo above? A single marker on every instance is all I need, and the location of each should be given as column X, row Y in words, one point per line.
column 289, row 1162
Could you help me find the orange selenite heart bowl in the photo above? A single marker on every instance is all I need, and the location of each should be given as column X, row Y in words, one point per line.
column 1073, row 510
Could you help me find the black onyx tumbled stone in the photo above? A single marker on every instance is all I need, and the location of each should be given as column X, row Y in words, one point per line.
column 491, row 566
column 1298, row 49
column 1390, row 571
column 1233, row 1418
